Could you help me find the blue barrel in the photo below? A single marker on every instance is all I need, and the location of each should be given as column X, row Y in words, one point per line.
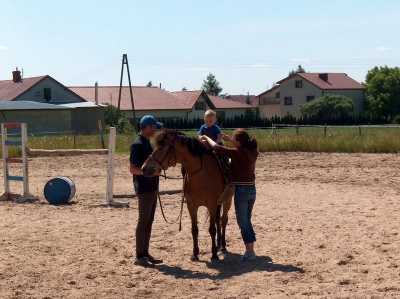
column 59, row 190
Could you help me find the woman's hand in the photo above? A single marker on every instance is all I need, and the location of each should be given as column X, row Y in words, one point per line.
column 208, row 140
column 226, row 138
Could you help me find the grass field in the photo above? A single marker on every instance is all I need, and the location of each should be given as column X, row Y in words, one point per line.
column 304, row 139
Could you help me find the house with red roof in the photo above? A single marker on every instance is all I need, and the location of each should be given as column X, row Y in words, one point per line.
column 242, row 98
column 160, row 103
column 46, row 106
column 292, row 91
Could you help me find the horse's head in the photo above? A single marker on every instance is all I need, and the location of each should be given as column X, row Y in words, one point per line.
column 167, row 151
column 161, row 156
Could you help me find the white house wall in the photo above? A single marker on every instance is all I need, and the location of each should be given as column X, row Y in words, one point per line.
column 299, row 95
column 59, row 94
column 270, row 110
column 269, row 104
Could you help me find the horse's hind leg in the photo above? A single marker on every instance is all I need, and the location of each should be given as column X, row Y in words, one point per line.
column 224, row 223
column 213, row 231
column 195, row 230
column 218, row 222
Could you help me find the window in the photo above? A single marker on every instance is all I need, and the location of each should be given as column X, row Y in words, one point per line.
column 47, row 94
column 310, row 98
column 288, row 100
column 277, row 95
column 199, row 106
column 299, row 83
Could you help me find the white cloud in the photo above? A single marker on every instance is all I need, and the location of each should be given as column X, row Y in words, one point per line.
column 261, row 65
column 4, row 48
column 380, row 49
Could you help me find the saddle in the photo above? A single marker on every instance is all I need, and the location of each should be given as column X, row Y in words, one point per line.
column 224, row 165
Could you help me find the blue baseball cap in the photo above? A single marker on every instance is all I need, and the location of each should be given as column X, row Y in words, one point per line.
column 149, row 120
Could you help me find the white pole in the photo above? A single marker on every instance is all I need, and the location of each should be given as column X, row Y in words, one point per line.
column 5, row 155
column 110, row 165
column 24, row 137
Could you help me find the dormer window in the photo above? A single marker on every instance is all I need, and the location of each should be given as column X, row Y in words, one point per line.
column 47, row 94
column 299, row 84
column 199, row 106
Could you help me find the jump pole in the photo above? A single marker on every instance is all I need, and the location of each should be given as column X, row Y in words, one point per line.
column 8, row 195
column 110, row 174
column 20, row 198
column 110, row 165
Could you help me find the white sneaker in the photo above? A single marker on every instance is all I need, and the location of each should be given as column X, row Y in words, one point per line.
column 247, row 257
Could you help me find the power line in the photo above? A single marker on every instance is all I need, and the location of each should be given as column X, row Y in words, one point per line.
column 110, row 65
column 240, row 64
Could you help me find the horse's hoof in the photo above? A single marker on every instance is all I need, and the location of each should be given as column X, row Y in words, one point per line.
column 223, row 249
column 194, row 258
column 215, row 258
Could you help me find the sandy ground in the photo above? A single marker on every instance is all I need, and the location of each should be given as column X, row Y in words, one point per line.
column 327, row 227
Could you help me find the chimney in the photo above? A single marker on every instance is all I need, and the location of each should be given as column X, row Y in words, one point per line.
column 16, row 75
column 324, row 76
column 96, row 93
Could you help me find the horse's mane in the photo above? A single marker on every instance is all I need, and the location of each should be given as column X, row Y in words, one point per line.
column 194, row 146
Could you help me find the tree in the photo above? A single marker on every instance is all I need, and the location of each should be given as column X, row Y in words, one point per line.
column 211, row 85
column 327, row 106
column 300, row 69
column 110, row 120
column 383, row 92
column 184, row 89
column 149, row 84
column 249, row 112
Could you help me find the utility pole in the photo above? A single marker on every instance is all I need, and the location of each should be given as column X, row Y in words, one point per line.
column 125, row 61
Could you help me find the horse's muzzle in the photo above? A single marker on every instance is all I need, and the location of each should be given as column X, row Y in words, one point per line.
column 148, row 171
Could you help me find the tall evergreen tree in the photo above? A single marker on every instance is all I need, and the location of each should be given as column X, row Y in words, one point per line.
column 211, row 85
column 300, row 69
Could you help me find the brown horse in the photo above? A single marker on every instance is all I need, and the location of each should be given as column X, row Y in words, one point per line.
column 205, row 184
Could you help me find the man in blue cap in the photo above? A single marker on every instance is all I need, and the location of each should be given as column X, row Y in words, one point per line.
column 146, row 190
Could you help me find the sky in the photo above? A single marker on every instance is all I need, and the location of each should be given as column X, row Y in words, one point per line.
column 247, row 45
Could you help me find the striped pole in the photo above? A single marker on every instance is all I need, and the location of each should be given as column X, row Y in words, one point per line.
column 101, row 133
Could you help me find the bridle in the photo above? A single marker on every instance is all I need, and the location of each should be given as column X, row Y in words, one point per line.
column 171, row 146
column 160, row 163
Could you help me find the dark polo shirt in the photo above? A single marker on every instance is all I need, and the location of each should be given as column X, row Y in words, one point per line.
column 140, row 150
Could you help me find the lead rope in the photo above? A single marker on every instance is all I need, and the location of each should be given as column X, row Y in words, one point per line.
column 181, row 212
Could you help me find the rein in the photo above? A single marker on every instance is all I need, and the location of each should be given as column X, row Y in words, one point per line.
column 160, row 163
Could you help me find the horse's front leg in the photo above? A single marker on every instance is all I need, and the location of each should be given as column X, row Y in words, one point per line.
column 195, row 230
column 213, row 231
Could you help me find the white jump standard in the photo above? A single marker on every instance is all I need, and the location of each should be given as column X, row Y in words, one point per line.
column 26, row 196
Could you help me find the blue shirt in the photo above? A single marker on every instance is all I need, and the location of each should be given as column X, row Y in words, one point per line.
column 140, row 150
column 211, row 132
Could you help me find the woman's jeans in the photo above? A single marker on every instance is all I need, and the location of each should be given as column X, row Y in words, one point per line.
column 245, row 196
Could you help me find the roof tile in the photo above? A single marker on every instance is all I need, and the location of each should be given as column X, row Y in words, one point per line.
column 10, row 90
column 335, row 81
